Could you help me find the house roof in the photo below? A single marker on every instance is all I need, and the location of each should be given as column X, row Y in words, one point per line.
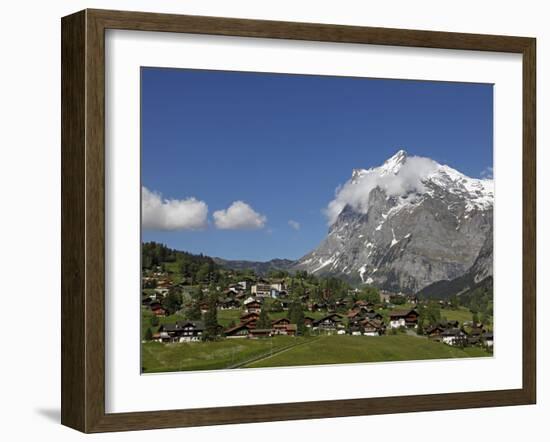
column 238, row 327
column 401, row 313
column 333, row 316
column 373, row 323
column 453, row 332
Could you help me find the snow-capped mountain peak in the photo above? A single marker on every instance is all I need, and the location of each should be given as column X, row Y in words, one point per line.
column 406, row 224
column 394, row 163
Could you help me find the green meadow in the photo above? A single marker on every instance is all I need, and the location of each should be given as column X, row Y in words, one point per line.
column 285, row 351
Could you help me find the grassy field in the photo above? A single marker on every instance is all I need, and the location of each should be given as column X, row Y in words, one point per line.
column 461, row 315
column 350, row 349
column 227, row 353
column 284, row 351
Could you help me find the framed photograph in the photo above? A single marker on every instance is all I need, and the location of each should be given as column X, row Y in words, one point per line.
column 267, row 220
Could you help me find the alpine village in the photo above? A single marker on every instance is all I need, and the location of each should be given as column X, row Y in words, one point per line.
column 201, row 314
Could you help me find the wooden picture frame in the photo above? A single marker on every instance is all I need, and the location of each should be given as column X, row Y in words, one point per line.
column 83, row 220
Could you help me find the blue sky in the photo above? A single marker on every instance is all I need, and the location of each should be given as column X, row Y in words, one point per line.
column 283, row 143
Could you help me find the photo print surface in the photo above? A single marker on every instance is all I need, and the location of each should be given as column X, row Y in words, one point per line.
column 296, row 220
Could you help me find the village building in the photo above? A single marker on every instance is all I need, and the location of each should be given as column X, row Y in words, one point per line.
column 229, row 303
column 260, row 333
column 283, row 326
column 454, row 337
column 250, row 318
column 278, row 285
column 181, row 331
column 204, row 306
column 308, row 321
column 253, row 307
column 157, row 309
column 329, row 323
column 261, row 289
column 373, row 327
column 404, row 318
column 239, row 331
column 434, row 332
column 487, row 339
column 236, row 288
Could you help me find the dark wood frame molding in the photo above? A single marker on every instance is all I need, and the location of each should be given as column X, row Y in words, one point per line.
column 83, row 216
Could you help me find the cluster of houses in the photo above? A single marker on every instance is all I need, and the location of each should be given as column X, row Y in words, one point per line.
column 452, row 334
column 362, row 319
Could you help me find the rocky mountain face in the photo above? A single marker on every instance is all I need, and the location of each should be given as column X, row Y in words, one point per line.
column 407, row 225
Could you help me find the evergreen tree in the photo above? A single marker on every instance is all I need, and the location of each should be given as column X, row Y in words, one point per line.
column 420, row 328
column 432, row 313
column 193, row 313
column 172, row 302
column 263, row 321
column 211, row 325
column 296, row 316
column 148, row 334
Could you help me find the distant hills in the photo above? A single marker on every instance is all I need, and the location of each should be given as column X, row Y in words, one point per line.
column 260, row 268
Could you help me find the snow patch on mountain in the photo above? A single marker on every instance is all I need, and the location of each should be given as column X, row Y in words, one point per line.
column 405, row 179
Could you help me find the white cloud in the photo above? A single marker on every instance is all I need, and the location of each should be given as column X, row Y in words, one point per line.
column 356, row 192
column 487, row 173
column 239, row 216
column 294, row 224
column 170, row 214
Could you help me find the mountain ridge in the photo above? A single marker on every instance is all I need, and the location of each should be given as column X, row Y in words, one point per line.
column 405, row 225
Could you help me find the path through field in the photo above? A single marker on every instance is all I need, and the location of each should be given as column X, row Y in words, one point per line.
column 272, row 353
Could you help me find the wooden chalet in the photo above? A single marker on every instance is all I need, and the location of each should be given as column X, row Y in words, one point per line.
column 157, row 309
column 182, row 331
column 239, row 331
column 434, row 332
column 454, row 337
column 404, row 318
column 373, row 327
column 260, row 333
column 287, row 329
column 284, row 327
column 253, row 307
column 281, row 321
column 330, row 322
column 250, row 318
column 229, row 303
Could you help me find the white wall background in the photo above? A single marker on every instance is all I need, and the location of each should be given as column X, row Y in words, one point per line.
column 30, row 215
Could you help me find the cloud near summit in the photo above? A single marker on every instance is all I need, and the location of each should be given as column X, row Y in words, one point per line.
column 355, row 193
